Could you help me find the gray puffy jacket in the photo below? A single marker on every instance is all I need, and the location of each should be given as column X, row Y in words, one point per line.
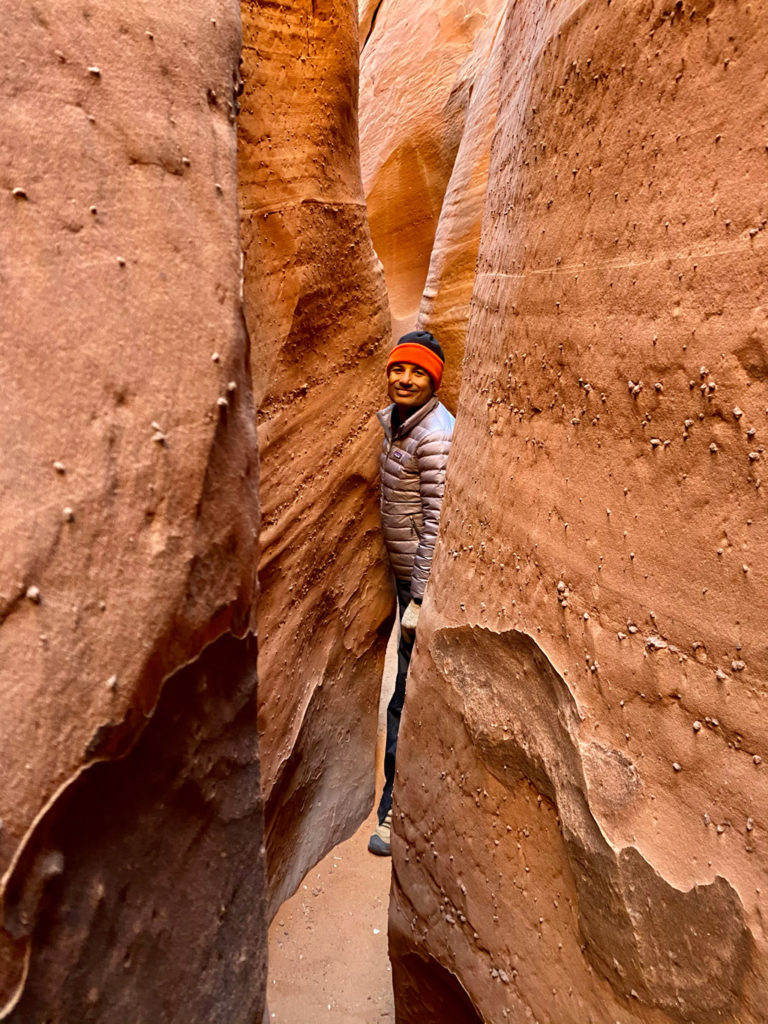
column 413, row 462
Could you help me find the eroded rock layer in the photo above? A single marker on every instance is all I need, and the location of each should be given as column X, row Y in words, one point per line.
column 131, row 823
column 580, row 805
column 317, row 315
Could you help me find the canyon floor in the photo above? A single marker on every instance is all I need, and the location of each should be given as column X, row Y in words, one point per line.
column 328, row 958
column 328, row 944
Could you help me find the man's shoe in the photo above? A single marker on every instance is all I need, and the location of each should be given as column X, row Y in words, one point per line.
column 379, row 841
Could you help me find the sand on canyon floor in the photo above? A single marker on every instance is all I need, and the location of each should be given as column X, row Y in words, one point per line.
column 328, row 958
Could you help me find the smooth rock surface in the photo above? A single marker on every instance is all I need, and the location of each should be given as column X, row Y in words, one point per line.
column 317, row 315
column 568, row 845
column 419, row 68
column 129, row 798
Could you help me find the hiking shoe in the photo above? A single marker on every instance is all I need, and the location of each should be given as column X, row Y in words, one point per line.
column 379, row 841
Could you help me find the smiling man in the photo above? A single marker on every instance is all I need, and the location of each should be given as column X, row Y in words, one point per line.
column 417, row 440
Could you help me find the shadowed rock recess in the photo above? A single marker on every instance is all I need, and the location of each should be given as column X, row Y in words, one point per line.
column 580, row 816
column 131, row 864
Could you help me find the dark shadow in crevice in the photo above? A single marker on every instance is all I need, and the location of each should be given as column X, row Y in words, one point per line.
column 373, row 22
column 426, row 992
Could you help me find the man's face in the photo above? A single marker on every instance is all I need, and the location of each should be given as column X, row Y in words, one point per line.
column 409, row 385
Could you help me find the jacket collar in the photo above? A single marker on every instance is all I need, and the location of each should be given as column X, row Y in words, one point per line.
column 385, row 418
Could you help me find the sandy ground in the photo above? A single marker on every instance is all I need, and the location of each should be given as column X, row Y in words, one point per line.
column 328, row 956
column 328, row 944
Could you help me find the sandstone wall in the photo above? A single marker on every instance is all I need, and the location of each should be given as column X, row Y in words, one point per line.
column 131, row 824
column 426, row 116
column 316, row 308
column 580, row 807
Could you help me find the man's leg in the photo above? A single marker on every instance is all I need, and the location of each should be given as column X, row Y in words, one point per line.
column 395, row 708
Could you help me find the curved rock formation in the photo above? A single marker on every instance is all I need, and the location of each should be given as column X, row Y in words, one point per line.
column 130, row 809
column 579, row 818
column 419, row 66
column 316, row 308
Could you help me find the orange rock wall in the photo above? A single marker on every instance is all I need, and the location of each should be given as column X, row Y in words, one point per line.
column 131, row 873
column 316, row 308
column 419, row 67
column 580, row 829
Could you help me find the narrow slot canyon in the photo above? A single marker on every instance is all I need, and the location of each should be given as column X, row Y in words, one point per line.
column 218, row 218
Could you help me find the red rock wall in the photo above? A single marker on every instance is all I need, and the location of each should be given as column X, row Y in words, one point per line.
column 132, row 877
column 316, row 308
column 580, row 828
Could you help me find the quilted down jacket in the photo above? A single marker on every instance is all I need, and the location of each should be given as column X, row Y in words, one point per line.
column 413, row 461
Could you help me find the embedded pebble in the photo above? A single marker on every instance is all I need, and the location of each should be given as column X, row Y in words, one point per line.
column 60, row 467
column 676, row 766
column 697, row 726
column 33, row 594
column 737, row 666
column 68, row 515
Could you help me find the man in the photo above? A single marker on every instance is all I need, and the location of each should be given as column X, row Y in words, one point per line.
column 417, row 439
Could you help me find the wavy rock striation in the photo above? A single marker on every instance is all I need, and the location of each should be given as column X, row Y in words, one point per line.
column 316, row 308
column 131, row 866
column 425, row 142
column 579, row 819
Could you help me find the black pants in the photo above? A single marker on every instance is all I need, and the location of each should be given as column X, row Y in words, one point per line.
column 395, row 706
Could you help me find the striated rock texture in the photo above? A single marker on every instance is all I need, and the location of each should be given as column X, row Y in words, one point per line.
column 316, row 308
column 580, row 816
column 429, row 76
column 131, row 866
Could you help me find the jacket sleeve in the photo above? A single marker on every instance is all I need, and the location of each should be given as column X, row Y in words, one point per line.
column 432, row 454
